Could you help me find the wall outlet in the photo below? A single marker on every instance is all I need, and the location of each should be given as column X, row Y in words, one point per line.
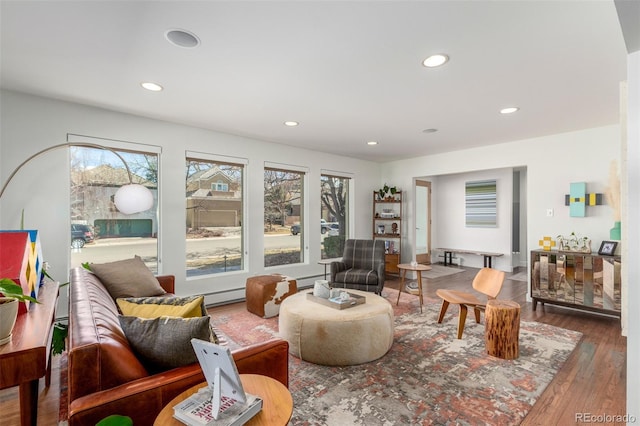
column 549, row 212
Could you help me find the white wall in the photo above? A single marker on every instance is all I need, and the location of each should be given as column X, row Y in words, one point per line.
column 31, row 123
column 448, row 214
column 552, row 163
column 631, row 291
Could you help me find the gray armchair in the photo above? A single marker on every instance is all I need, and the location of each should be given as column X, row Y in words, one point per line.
column 362, row 266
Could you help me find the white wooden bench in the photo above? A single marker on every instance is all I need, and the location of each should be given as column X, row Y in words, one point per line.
column 448, row 255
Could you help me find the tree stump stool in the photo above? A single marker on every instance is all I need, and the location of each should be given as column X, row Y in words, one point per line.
column 502, row 328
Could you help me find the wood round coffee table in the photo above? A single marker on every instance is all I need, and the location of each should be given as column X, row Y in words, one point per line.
column 277, row 403
column 404, row 267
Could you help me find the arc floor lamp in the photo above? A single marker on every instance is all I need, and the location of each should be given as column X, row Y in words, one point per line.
column 129, row 199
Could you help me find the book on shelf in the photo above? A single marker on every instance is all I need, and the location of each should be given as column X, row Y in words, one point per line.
column 198, row 409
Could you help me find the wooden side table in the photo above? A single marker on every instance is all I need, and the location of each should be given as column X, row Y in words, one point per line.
column 326, row 262
column 27, row 357
column 404, row 267
column 277, row 403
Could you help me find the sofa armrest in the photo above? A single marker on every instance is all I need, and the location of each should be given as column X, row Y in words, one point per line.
column 270, row 358
column 143, row 399
column 167, row 282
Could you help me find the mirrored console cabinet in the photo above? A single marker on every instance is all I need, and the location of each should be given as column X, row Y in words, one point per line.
column 585, row 281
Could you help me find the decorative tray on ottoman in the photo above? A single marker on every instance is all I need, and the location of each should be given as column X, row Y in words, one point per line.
column 335, row 303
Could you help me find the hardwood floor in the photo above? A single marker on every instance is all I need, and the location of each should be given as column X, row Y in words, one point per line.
column 592, row 381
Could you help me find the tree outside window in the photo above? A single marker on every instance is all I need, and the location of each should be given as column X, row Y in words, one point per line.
column 283, row 237
column 334, row 197
column 99, row 232
column 214, row 209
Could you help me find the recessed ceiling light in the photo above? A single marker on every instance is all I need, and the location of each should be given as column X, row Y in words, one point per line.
column 291, row 123
column 429, row 130
column 154, row 87
column 509, row 110
column 372, row 143
column 182, row 38
column 435, row 60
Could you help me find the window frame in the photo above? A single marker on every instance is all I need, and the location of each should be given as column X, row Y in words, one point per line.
column 349, row 221
column 131, row 147
column 304, row 172
column 244, row 235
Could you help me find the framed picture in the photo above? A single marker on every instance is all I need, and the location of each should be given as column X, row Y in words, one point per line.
column 608, row 248
column 481, row 204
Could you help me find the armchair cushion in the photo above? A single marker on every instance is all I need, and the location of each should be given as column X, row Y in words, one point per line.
column 357, row 276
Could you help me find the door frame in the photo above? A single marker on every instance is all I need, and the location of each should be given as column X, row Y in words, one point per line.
column 424, row 258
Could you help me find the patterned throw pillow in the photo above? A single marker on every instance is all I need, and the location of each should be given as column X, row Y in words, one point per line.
column 153, row 307
column 165, row 342
column 127, row 278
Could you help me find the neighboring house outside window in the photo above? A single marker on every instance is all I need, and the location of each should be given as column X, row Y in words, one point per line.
column 220, row 186
column 214, row 209
column 95, row 176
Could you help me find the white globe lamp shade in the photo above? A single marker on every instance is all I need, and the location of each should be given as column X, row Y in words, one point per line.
column 133, row 198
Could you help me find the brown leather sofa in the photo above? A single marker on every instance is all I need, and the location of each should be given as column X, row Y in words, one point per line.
column 104, row 375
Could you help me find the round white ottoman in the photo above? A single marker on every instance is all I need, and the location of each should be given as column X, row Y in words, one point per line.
column 328, row 336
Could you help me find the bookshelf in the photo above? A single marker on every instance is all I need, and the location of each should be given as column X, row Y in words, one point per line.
column 387, row 226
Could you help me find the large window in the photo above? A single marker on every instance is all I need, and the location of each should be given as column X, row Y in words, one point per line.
column 334, row 204
column 214, row 203
column 283, row 224
column 99, row 232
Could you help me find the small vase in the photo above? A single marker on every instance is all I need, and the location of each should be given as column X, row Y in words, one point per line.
column 614, row 233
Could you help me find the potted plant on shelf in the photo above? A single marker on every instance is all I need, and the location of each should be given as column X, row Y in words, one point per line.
column 12, row 295
column 382, row 192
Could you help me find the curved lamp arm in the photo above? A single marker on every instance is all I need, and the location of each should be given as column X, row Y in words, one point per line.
column 129, row 199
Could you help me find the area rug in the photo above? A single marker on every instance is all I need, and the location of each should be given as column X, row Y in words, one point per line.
column 427, row 378
column 438, row 271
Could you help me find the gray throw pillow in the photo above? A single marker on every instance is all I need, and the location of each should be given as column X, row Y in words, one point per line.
column 165, row 342
column 127, row 278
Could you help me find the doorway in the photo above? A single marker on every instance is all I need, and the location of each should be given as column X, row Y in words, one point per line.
column 423, row 222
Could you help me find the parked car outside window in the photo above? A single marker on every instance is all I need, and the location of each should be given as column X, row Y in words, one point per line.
column 295, row 229
column 80, row 235
column 334, row 230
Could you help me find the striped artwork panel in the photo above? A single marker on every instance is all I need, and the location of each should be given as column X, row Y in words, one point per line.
column 481, row 204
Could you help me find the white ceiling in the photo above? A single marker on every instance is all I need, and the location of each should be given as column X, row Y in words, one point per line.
column 349, row 72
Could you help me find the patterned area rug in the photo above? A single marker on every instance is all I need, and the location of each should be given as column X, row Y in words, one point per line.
column 438, row 271
column 428, row 377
